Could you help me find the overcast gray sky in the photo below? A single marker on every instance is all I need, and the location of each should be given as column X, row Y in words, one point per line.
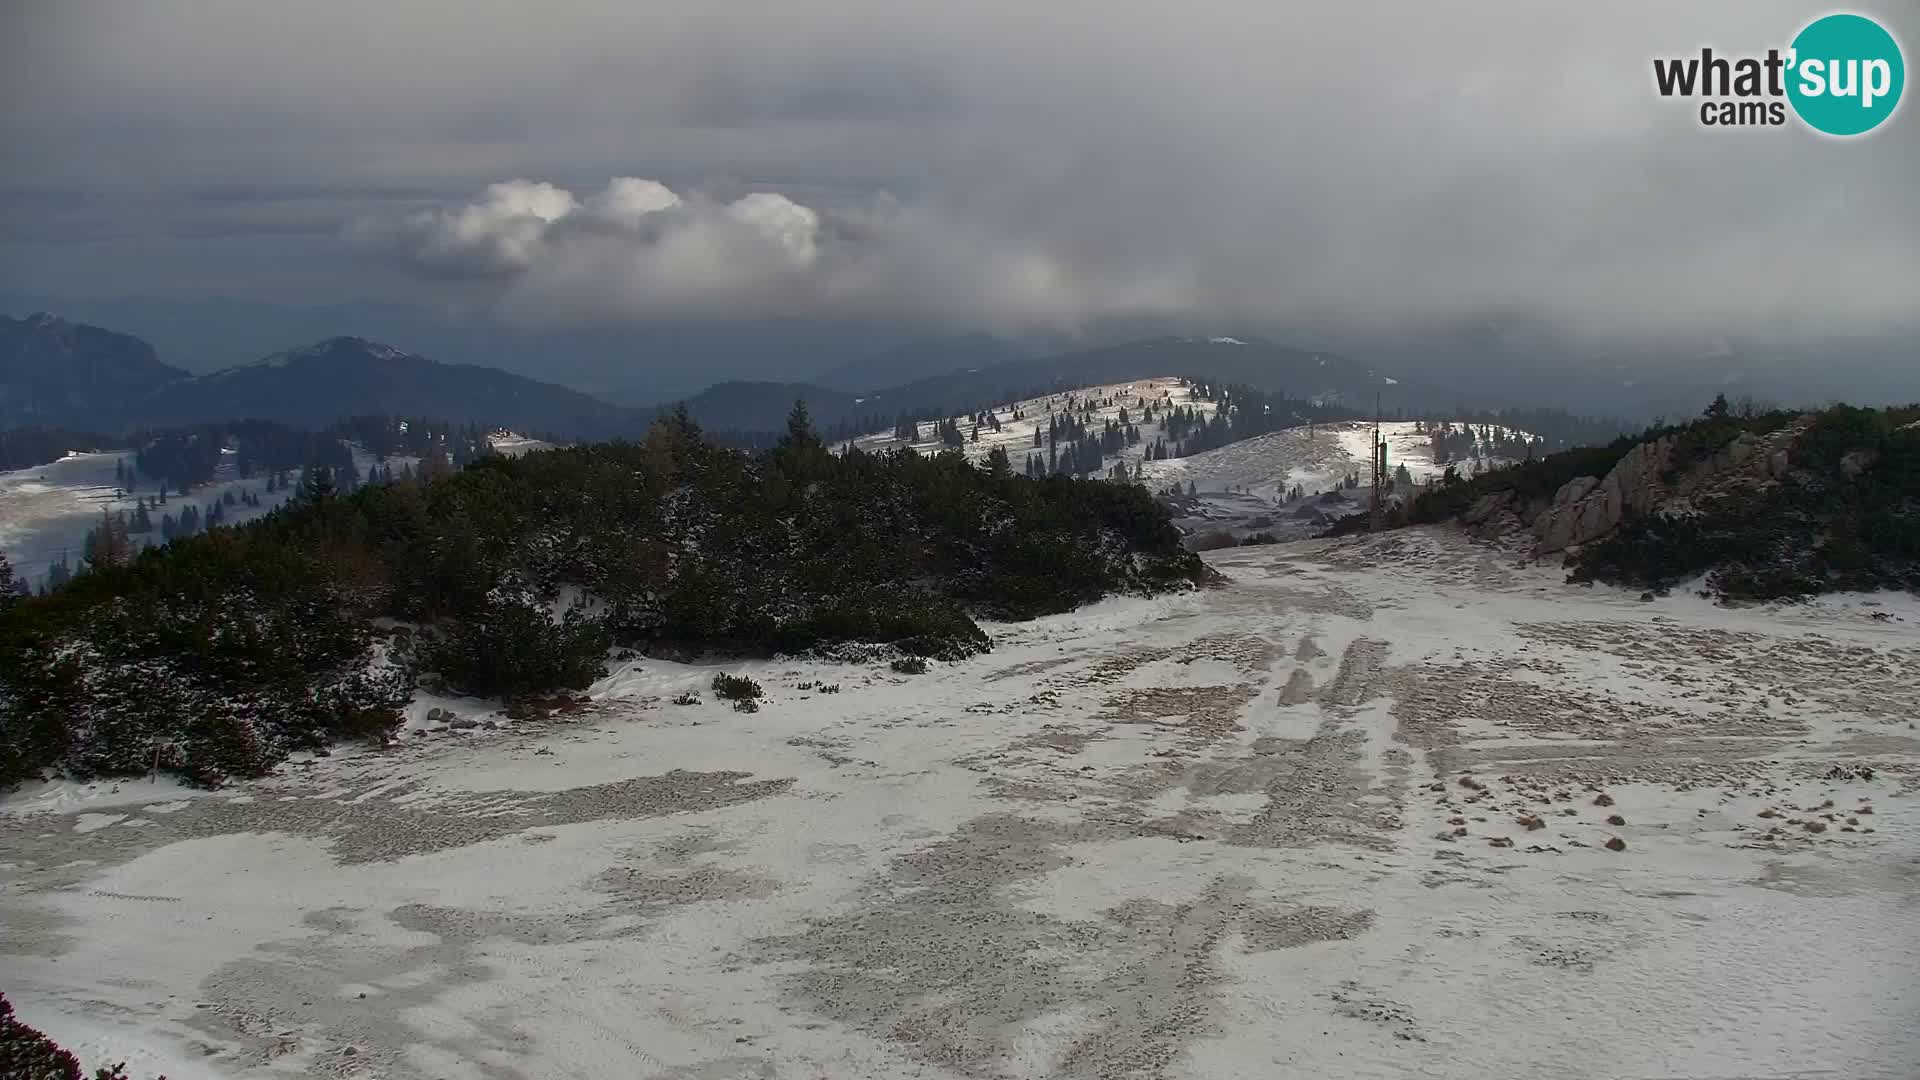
column 1000, row 164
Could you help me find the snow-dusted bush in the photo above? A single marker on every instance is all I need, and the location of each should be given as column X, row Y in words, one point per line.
column 514, row 645
column 735, row 687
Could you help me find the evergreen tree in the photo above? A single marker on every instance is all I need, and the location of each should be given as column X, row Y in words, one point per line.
column 800, row 434
column 10, row 588
column 108, row 544
column 59, row 573
column 318, row 484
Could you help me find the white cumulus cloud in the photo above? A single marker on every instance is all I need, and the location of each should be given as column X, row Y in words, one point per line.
column 638, row 249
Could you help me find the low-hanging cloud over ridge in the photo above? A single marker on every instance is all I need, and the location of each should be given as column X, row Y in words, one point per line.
column 636, row 249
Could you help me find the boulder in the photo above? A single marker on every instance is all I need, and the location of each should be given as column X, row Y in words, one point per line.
column 1587, row 508
column 1485, row 507
column 1855, row 462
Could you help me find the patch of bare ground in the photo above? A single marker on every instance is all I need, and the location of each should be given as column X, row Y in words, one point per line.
column 1358, row 679
column 1696, row 662
column 1202, row 714
column 1435, row 702
column 1438, row 554
column 1299, row 688
column 1250, row 654
column 378, row 825
column 939, row 956
column 1027, row 668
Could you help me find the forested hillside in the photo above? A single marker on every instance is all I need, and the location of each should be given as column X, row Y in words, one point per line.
column 220, row 653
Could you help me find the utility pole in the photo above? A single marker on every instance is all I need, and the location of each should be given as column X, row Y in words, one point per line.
column 1379, row 465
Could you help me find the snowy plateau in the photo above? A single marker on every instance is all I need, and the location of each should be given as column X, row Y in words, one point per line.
column 1383, row 806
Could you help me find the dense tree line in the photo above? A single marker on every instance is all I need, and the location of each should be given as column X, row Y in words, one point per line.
column 221, row 652
column 23, row 448
column 1553, row 429
column 179, row 459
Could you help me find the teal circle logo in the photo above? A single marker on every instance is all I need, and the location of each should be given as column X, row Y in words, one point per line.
column 1845, row 74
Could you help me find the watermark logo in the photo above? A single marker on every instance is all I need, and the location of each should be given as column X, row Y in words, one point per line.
column 1841, row 75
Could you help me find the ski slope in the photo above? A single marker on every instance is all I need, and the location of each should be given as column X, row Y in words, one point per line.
column 1016, row 436
column 1315, row 458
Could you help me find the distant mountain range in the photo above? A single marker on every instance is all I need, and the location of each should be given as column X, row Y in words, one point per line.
column 1330, row 379
column 55, row 373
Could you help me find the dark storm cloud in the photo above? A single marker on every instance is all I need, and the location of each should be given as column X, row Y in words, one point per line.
column 992, row 163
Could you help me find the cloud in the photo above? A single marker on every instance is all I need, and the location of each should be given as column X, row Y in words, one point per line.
column 503, row 232
column 988, row 163
column 637, row 249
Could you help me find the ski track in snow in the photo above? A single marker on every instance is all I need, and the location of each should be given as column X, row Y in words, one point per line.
column 1221, row 834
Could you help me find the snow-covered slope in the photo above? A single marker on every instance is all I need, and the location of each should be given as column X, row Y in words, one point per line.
column 1315, row 458
column 513, row 444
column 1347, row 816
column 46, row 510
column 1016, row 436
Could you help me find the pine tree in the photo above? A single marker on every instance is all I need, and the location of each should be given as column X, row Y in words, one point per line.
column 108, row 544
column 59, row 573
column 318, row 483
column 10, row 587
column 800, row 428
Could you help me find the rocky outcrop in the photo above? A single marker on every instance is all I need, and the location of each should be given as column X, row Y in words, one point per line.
column 1588, row 508
column 1498, row 517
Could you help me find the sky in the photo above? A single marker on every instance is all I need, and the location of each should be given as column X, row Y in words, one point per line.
column 989, row 165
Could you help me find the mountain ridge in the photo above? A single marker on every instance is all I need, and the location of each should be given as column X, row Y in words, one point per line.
column 57, row 373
